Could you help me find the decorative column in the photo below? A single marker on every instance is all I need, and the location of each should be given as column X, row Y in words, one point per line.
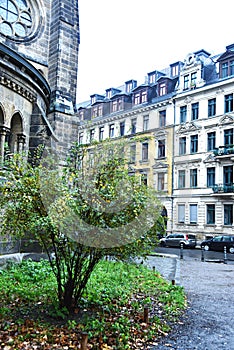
column 3, row 133
column 20, row 142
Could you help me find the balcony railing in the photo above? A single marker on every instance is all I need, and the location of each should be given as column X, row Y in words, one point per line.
column 223, row 188
column 224, row 150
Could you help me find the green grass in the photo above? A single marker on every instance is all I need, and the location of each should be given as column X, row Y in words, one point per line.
column 111, row 310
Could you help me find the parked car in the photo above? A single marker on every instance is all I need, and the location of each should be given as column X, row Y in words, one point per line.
column 176, row 239
column 218, row 243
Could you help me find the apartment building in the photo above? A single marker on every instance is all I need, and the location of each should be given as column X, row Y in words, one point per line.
column 181, row 122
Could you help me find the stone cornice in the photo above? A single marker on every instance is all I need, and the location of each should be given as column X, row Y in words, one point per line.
column 16, row 87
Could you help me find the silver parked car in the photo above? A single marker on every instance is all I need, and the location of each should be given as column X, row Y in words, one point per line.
column 176, row 239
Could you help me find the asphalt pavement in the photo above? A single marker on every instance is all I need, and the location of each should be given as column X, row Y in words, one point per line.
column 208, row 323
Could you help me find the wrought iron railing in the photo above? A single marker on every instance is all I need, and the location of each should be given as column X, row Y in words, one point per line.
column 224, row 150
column 223, row 188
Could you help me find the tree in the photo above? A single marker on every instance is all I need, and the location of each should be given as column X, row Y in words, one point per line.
column 81, row 212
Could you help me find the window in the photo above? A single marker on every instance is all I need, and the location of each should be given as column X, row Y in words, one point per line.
column 228, row 137
column 193, row 213
column 144, row 179
column 186, row 82
column 162, row 89
column 228, row 174
column 228, row 214
column 174, row 70
column 161, row 184
column 152, row 78
column 122, row 128
column 181, row 179
column 81, row 136
column 145, row 151
column 224, row 69
column 111, row 130
column 137, row 99
column 16, row 18
column 182, row 145
column 228, row 103
column 211, row 140
column 181, row 213
column 133, row 126
column 210, row 176
column 210, row 214
column 194, row 144
column 193, row 178
column 91, row 134
column 232, row 67
column 133, row 153
column 193, row 79
column 101, row 133
column 161, row 148
column 183, row 114
column 211, row 107
column 162, row 118
column 195, row 110
column 117, row 105
column 140, row 97
column 145, row 122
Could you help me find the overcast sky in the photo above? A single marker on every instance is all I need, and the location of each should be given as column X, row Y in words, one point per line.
column 126, row 39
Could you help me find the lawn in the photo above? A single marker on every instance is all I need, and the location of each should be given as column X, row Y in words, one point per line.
column 111, row 311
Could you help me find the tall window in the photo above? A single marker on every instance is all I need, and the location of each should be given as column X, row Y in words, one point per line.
column 111, row 130
column 232, row 67
column 228, row 103
column 211, row 107
column 162, row 118
column 228, row 137
column 183, row 114
column 133, row 126
column 181, row 213
column 186, row 82
column 91, row 134
column 193, row 79
column 228, row 214
column 81, row 137
column 101, row 133
column 145, row 122
column 193, row 178
column 194, row 144
column 193, row 213
column 195, row 110
column 211, row 138
column 210, row 214
column 182, row 145
column 228, row 174
column 162, row 89
column 145, row 151
column 122, row 128
column 210, row 176
column 161, row 182
column 224, row 69
column 181, row 179
column 133, row 153
column 161, row 149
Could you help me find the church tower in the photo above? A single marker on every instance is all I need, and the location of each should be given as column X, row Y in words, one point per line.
column 39, row 45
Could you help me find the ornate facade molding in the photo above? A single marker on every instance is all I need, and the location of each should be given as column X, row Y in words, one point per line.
column 12, row 85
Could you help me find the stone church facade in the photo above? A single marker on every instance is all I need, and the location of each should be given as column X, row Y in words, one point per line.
column 39, row 44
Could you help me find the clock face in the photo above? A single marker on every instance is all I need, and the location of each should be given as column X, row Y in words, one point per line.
column 16, row 19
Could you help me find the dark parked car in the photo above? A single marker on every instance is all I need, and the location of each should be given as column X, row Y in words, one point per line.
column 218, row 243
column 176, row 239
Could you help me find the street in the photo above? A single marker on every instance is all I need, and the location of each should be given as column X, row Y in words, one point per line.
column 196, row 254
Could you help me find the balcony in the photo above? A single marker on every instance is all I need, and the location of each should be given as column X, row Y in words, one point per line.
column 223, row 188
column 224, row 150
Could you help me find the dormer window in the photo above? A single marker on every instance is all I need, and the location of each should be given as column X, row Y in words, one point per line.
column 175, row 70
column 186, row 82
column 140, row 97
column 227, row 69
column 117, row 105
column 190, row 81
column 129, row 85
column 162, row 89
column 97, row 111
column 152, row 78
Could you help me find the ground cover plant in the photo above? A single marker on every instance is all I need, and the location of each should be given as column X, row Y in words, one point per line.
column 110, row 311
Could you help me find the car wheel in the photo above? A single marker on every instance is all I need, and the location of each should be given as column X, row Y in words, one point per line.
column 162, row 244
column 206, row 247
column 231, row 250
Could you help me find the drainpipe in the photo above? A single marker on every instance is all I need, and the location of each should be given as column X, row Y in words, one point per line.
column 172, row 177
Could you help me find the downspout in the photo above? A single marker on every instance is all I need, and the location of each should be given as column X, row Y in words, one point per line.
column 173, row 177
